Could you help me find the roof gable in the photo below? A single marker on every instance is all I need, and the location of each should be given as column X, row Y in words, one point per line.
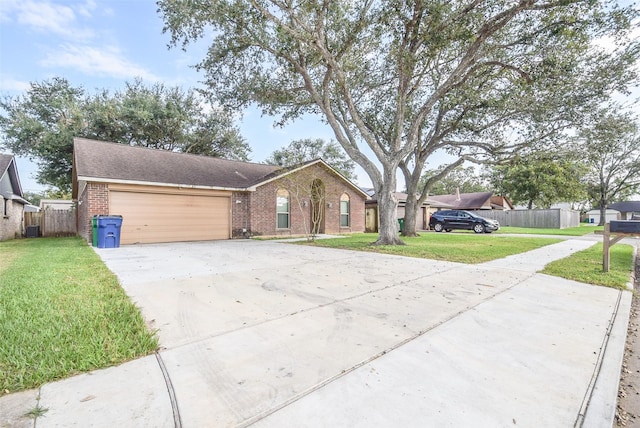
column 283, row 172
column 105, row 161
column 9, row 172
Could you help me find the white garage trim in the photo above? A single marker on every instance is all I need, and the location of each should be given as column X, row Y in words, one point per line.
column 148, row 183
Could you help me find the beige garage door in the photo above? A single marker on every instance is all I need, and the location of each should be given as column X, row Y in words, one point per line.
column 158, row 217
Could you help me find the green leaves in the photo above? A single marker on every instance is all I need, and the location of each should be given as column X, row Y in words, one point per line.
column 43, row 122
column 540, row 180
column 611, row 144
column 299, row 151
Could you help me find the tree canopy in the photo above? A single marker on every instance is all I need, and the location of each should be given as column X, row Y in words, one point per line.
column 42, row 123
column 463, row 179
column 541, row 179
column 299, row 151
column 611, row 144
column 394, row 79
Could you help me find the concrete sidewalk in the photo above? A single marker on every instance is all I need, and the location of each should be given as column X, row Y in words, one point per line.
column 274, row 335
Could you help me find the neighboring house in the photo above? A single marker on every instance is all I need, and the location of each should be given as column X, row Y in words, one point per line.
column 628, row 210
column 372, row 217
column 473, row 201
column 593, row 216
column 12, row 201
column 56, row 204
column 458, row 201
column 165, row 196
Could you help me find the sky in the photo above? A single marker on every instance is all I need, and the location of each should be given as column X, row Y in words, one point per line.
column 100, row 44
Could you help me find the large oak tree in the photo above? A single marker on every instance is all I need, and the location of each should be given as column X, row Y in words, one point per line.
column 381, row 72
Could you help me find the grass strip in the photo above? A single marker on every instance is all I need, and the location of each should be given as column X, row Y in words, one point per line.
column 62, row 312
column 586, row 266
column 570, row 231
column 453, row 247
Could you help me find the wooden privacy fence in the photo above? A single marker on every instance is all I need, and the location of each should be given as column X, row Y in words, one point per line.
column 547, row 219
column 52, row 222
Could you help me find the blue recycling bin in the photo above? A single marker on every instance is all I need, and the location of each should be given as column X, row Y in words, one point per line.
column 108, row 227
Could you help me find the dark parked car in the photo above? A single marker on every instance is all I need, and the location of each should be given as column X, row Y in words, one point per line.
column 459, row 219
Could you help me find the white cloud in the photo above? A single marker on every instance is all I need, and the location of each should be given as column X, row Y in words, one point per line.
column 10, row 84
column 90, row 60
column 48, row 17
column 7, row 7
column 87, row 8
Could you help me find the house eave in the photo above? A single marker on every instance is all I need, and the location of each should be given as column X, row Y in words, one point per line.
column 254, row 187
column 150, row 183
column 19, row 199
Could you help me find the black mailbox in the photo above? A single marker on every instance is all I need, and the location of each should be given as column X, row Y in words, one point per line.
column 625, row 226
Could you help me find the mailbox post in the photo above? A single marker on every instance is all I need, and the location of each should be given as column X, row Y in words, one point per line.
column 619, row 230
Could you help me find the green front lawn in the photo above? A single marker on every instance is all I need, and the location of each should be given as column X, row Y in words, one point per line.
column 586, row 266
column 62, row 312
column 463, row 248
column 570, row 231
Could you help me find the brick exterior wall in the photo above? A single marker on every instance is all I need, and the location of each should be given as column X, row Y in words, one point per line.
column 11, row 224
column 263, row 204
column 94, row 200
column 255, row 212
column 240, row 215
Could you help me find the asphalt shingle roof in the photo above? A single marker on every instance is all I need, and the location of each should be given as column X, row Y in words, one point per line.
column 5, row 161
column 626, row 206
column 105, row 160
column 475, row 200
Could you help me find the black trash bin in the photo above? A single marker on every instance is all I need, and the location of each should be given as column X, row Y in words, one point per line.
column 109, row 231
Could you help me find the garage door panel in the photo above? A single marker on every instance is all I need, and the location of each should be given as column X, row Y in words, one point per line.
column 161, row 217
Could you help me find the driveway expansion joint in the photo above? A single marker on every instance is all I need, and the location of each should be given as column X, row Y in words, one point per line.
column 172, row 394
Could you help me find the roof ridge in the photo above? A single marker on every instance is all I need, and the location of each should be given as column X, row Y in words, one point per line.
column 115, row 143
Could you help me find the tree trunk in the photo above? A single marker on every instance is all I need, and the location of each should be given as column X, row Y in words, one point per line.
column 603, row 213
column 410, row 216
column 411, row 205
column 387, row 204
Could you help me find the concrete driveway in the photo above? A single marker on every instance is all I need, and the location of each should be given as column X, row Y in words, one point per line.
column 279, row 335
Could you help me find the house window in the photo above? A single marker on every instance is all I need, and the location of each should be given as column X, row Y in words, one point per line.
column 344, row 210
column 282, row 209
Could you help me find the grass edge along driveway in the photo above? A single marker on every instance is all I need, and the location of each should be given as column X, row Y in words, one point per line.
column 62, row 312
column 453, row 247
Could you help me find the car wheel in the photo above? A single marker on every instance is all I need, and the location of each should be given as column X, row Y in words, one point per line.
column 478, row 228
column 438, row 227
